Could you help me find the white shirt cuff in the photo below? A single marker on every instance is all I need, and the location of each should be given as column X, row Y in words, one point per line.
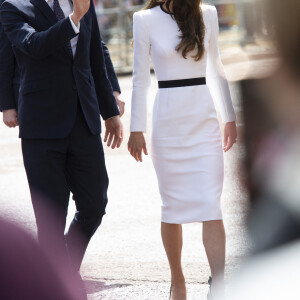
column 76, row 28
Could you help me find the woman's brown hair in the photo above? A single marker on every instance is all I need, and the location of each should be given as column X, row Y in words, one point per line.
column 189, row 18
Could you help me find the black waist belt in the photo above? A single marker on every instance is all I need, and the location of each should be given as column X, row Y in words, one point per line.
column 181, row 82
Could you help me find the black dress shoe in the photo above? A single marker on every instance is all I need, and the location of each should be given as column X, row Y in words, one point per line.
column 170, row 292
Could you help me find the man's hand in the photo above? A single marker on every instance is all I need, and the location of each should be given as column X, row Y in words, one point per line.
column 120, row 103
column 80, row 8
column 136, row 145
column 114, row 132
column 10, row 118
column 230, row 135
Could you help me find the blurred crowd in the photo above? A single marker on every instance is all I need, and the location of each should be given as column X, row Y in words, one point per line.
column 110, row 20
column 115, row 3
column 271, row 108
column 111, row 12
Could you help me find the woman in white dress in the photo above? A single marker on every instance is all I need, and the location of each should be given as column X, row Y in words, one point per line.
column 181, row 36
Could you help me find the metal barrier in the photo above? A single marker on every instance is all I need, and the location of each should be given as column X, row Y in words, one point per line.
column 116, row 29
column 116, row 26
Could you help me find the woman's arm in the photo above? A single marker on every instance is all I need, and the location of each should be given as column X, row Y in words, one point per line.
column 218, row 84
column 141, row 74
column 216, row 78
column 141, row 84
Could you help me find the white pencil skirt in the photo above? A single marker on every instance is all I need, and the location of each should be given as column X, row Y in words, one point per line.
column 186, row 150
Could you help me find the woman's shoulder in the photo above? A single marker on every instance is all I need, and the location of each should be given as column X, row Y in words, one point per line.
column 146, row 13
column 209, row 13
column 208, row 9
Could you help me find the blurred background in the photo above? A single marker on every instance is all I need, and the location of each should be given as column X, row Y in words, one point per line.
column 115, row 21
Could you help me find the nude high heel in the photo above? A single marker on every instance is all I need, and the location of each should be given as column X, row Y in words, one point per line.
column 209, row 295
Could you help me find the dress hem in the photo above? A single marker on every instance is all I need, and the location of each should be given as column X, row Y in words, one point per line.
column 190, row 222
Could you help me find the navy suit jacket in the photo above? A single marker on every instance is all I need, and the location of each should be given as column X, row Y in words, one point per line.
column 9, row 74
column 51, row 80
column 10, row 77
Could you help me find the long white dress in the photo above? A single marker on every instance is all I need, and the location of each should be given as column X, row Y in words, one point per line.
column 186, row 144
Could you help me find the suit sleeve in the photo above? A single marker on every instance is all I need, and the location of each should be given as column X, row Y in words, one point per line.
column 110, row 69
column 216, row 77
column 7, row 70
column 35, row 44
column 107, row 102
column 141, row 74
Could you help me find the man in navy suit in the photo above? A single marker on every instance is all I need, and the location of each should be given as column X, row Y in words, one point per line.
column 10, row 80
column 64, row 87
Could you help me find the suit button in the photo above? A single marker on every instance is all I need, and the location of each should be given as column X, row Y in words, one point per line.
column 74, row 87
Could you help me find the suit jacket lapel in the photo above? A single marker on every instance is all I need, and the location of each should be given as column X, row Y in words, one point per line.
column 45, row 10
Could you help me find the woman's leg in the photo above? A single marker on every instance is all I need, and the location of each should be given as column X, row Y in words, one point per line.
column 214, row 241
column 172, row 240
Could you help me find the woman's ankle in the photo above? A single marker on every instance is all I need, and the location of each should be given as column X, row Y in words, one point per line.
column 177, row 279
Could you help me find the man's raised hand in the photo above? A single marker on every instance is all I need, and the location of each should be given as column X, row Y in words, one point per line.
column 80, row 8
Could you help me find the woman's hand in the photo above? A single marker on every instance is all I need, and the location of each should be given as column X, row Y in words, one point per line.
column 230, row 135
column 137, row 145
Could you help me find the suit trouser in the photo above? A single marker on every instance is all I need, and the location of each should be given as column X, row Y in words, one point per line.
column 56, row 166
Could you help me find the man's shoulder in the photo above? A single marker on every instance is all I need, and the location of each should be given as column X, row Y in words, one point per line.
column 20, row 4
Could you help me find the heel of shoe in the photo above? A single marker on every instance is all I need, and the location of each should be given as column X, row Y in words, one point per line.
column 209, row 295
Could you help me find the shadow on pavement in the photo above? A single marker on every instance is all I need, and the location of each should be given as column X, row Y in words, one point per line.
column 95, row 286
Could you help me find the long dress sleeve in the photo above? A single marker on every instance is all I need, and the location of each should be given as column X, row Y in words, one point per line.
column 141, row 74
column 216, row 78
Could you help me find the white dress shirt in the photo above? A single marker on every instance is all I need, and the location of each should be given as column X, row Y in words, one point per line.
column 67, row 9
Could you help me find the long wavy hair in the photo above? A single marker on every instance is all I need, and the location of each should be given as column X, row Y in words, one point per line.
column 189, row 17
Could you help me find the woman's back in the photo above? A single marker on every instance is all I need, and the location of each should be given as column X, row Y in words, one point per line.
column 163, row 35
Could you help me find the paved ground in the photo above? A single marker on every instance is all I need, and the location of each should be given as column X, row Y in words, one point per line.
column 125, row 259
